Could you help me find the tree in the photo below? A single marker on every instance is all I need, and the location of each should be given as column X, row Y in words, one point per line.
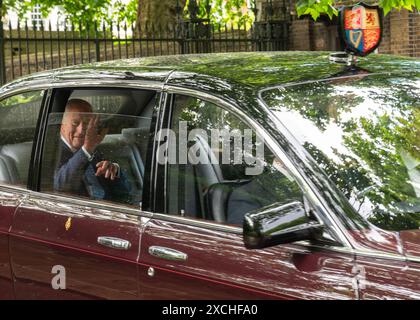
column 85, row 11
column 157, row 13
column 163, row 12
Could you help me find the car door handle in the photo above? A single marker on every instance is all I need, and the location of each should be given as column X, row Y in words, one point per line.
column 167, row 253
column 114, row 243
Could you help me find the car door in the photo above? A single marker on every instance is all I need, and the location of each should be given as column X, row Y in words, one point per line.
column 66, row 245
column 18, row 120
column 191, row 249
column 387, row 277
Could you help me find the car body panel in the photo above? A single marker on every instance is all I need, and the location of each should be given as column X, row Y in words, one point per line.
column 48, row 233
column 220, row 267
column 410, row 242
column 9, row 201
column 37, row 230
column 384, row 278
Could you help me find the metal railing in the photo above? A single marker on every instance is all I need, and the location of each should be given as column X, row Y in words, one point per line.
column 25, row 48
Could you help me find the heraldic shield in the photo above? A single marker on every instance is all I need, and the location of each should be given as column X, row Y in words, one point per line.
column 361, row 28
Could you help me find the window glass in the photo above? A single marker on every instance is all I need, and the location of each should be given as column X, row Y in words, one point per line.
column 96, row 145
column 18, row 120
column 218, row 168
column 364, row 132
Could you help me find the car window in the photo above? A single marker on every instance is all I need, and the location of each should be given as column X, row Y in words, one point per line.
column 364, row 132
column 96, row 144
column 218, row 168
column 18, row 120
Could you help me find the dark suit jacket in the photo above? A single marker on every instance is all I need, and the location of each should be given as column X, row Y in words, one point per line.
column 76, row 174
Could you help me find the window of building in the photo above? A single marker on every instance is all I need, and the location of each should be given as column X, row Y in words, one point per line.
column 36, row 17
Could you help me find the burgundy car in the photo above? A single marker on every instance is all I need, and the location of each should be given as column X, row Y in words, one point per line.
column 249, row 176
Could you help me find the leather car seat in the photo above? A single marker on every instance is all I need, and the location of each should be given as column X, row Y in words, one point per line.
column 117, row 149
column 217, row 198
column 14, row 162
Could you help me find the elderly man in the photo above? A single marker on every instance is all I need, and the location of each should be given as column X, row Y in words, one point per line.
column 81, row 169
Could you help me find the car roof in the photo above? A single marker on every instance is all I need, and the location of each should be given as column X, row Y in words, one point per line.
column 218, row 71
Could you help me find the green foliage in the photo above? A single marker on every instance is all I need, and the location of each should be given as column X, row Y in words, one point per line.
column 366, row 128
column 230, row 12
column 84, row 11
column 124, row 12
column 23, row 98
column 387, row 5
column 315, row 8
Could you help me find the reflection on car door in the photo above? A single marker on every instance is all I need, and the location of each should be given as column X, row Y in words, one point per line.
column 382, row 277
column 9, row 200
column 53, row 232
column 187, row 255
column 218, row 266
column 18, row 119
column 65, row 245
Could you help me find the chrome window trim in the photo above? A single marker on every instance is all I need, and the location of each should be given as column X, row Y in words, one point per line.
column 114, row 83
column 307, row 190
column 379, row 255
column 10, row 187
column 16, row 91
column 414, row 259
column 89, row 203
column 157, row 139
column 197, row 223
column 375, row 254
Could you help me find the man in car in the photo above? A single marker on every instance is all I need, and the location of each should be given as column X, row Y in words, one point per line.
column 81, row 168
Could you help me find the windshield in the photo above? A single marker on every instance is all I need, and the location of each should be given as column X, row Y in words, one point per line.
column 364, row 132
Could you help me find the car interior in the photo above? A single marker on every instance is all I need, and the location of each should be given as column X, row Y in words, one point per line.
column 17, row 127
column 127, row 116
column 14, row 162
column 202, row 190
column 199, row 190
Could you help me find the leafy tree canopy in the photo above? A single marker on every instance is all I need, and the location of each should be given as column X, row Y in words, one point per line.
column 315, row 8
column 82, row 10
column 221, row 11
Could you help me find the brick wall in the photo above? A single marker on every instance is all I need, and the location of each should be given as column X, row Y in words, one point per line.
column 306, row 34
column 401, row 32
column 299, row 35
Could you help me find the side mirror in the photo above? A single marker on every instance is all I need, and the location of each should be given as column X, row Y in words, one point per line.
column 277, row 224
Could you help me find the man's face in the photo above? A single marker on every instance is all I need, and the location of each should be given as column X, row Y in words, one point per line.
column 74, row 125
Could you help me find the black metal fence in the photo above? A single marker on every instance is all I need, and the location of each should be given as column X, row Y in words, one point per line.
column 25, row 48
